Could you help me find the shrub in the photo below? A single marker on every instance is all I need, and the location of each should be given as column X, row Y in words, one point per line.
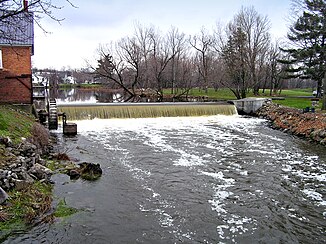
column 40, row 135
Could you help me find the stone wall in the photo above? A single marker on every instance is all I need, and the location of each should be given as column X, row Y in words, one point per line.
column 311, row 126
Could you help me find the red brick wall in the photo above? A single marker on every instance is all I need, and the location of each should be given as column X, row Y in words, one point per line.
column 16, row 61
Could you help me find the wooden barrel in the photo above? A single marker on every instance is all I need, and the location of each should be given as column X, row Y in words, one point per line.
column 70, row 129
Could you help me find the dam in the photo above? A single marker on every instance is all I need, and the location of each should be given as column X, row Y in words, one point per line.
column 82, row 111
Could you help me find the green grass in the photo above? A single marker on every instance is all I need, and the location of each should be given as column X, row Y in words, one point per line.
column 300, row 103
column 223, row 93
column 296, row 98
column 68, row 86
column 296, row 92
column 63, row 210
column 23, row 207
column 15, row 123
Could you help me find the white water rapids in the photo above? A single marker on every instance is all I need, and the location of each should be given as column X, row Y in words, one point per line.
column 215, row 179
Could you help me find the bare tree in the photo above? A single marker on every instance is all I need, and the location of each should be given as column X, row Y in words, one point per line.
column 203, row 43
column 256, row 29
column 112, row 67
column 276, row 71
column 245, row 51
column 177, row 44
column 160, row 56
column 144, row 41
column 17, row 15
column 130, row 51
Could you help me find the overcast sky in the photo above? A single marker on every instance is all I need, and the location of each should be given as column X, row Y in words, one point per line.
column 96, row 22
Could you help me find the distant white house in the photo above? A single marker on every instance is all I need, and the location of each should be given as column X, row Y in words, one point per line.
column 68, row 79
column 38, row 80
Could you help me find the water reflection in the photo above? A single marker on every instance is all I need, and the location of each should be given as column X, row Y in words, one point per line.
column 104, row 95
column 81, row 95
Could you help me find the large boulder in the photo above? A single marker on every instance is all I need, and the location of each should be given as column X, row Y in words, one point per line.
column 87, row 171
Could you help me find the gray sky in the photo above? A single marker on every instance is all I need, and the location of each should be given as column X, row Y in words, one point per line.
column 102, row 21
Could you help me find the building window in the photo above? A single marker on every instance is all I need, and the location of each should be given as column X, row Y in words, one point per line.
column 1, row 59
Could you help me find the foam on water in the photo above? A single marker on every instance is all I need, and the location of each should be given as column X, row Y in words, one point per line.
column 312, row 194
column 157, row 134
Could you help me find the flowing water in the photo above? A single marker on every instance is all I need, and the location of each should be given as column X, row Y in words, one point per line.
column 214, row 179
column 82, row 111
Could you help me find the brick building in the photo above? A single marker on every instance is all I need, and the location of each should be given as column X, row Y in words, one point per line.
column 16, row 49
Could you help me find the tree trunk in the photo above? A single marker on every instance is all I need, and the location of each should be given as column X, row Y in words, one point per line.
column 323, row 106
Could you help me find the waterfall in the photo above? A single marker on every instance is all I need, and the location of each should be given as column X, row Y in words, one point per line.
column 143, row 110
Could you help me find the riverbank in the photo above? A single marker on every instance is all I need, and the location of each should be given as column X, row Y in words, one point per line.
column 28, row 159
column 311, row 126
column 25, row 184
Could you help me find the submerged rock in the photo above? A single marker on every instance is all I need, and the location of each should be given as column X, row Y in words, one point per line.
column 74, row 174
column 87, row 171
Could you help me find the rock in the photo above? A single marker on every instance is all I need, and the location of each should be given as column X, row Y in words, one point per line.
column 21, row 184
column 21, row 164
column 40, row 172
column 311, row 126
column 74, row 174
column 90, row 167
column 3, row 196
column 323, row 142
column 14, row 176
column 6, row 184
column 27, row 148
column 23, row 175
column 5, row 141
column 13, row 166
column 41, row 161
column 322, row 134
column 21, row 159
column 3, row 174
column 90, row 171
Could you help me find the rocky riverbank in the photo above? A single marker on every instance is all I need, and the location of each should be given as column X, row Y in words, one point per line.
column 26, row 188
column 311, row 126
column 21, row 165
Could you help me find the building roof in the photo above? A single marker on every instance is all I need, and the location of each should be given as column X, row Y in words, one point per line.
column 17, row 30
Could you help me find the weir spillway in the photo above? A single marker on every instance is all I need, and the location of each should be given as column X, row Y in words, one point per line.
column 83, row 111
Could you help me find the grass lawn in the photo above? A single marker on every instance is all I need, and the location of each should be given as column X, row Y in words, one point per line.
column 224, row 94
column 293, row 102
column 15, row 123
column 296, row 98
column 69, row 86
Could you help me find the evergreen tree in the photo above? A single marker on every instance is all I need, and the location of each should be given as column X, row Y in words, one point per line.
column 307, row 36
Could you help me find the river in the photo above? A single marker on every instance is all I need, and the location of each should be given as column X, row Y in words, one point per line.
column 214, row 179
